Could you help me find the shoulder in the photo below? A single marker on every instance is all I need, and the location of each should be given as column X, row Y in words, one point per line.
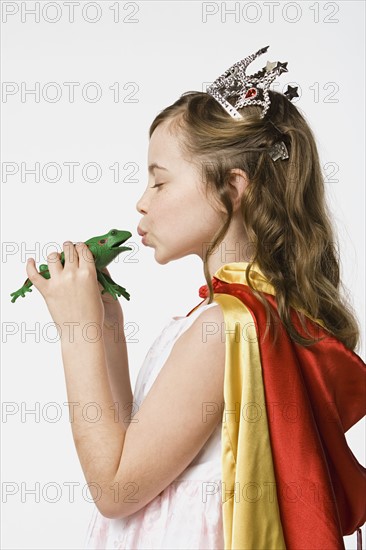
column 206, row 335
column 201, row 349
column 210, row 319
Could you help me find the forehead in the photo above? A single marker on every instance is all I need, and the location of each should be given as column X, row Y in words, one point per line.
column 164, row 147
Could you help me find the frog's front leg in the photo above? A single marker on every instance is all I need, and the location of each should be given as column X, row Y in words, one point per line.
column 110, row 286
column 44, row 271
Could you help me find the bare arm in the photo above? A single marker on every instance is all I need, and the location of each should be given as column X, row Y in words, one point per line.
column 117, row 356
column 118, row 372
column 176, row 418
column 97, row 432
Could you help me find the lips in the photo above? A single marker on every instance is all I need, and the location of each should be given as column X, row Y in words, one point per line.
column 140, row 232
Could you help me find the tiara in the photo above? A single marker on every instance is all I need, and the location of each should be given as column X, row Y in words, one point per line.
column 251, row 90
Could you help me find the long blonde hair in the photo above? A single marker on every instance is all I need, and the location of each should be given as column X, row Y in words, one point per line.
column 283, row 208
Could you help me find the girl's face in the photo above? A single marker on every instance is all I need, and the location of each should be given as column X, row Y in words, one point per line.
column 177, row 217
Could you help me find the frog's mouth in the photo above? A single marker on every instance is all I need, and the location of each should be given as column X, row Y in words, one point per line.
column 117, row 244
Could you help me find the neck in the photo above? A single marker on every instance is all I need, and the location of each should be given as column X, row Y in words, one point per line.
column 235, row 247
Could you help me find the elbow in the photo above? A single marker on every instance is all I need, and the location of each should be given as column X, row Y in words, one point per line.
column 110, row 511
column 111, row 514
column 117, row 508
column 122, row 499
column 115, row 512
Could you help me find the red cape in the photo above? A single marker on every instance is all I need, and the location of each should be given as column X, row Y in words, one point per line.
column 313, row 396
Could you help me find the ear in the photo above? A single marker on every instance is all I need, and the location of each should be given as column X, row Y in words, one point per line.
column 238, row 183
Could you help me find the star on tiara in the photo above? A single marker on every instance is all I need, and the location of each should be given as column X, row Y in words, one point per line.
column 248, row 89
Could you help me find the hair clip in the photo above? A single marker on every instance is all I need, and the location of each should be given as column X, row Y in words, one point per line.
column 278, row 151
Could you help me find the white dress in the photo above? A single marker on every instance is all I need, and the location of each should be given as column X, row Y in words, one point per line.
column 188, row 513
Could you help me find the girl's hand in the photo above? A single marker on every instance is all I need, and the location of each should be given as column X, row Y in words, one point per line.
column 113, row 314
column 72, row 293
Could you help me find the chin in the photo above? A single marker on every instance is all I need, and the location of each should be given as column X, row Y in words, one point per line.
column 161, row 259
column 164, row 259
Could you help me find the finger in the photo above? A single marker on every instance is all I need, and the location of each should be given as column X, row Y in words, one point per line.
column 54, row 263
column 86, row 258
column 36, row 279
column 105, row 270
column 71, row 256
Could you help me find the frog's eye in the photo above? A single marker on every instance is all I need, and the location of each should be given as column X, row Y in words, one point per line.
column 113, row 232
column 102, row 241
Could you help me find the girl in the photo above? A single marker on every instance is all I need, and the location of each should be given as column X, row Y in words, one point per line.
column 236, row 433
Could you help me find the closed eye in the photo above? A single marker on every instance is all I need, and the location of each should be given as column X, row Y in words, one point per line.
column 157, row 185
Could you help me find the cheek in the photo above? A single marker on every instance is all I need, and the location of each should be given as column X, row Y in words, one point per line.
column 189, row 213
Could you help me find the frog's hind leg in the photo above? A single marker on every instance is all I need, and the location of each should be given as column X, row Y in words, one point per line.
column 21, row 291
column 111, row 287
column 43, row 270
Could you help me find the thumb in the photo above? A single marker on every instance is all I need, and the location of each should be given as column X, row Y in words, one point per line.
column 36, row 279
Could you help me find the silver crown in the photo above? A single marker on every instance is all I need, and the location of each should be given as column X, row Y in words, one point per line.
column 248, row 89
column 251, row 90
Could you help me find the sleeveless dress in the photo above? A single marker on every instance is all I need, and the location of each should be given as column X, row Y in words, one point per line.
column 188, row 513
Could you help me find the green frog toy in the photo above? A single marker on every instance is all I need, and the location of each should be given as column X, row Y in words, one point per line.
column 104, row 249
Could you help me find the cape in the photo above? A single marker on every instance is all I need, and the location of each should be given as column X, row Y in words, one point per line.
column 289, row 478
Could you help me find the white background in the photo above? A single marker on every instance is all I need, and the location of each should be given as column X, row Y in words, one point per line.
column 163, row 49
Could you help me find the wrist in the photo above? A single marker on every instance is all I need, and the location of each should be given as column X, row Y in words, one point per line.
column 115, row 333
column 81, row 332
column 113, row 325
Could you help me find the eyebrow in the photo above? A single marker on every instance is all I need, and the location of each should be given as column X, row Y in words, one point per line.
column 155, row 165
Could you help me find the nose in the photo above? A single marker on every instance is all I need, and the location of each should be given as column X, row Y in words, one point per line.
column 139, row 206
column 139, row 209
